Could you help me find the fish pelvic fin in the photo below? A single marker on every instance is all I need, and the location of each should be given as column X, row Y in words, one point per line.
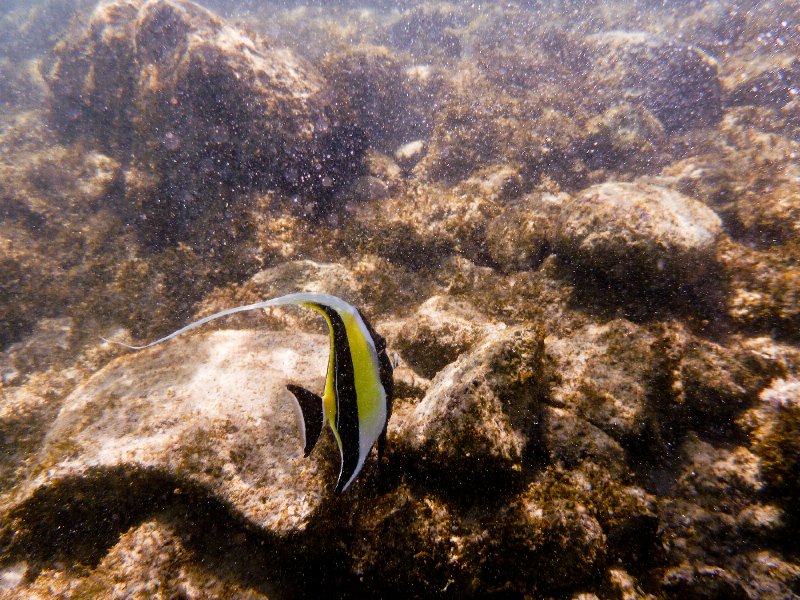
column 311, row 415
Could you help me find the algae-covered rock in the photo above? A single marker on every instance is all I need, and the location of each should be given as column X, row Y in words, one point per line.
column 625, row 137
column 483, row 126
column 437, row 334
column 430, row 31
column 774, row 426
column 638, row 233
column 764, row 288
column 481, row 411
column 570, row 440
column 194, row 103
column 555, row 533
column 152, row 560
column 222, row 422
column 703, row 581
column 774, row 85
column 423, row 226
column 372, row 90
column 521, row 236
column 570, row 524
column 603, row 376
column 676, row 82
column 716, row 382
column 410, row 538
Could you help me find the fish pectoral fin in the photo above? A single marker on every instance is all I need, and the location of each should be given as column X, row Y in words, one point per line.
column 310, row 405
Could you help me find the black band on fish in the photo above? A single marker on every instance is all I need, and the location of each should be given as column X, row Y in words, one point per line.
column 346, row 401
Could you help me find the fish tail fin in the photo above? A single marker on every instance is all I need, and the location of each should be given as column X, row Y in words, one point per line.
column 311, row 415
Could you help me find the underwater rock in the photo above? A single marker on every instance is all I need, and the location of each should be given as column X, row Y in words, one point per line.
column 715, row 27
column 774, row 428
column 639, row 234
column 480, row 412
column 151, row 560
column 774, row 86
column 625, row 137
column 712, row 383
column 747, row 172
column 715, row 513
column 569, row 440
column 411, row 539
column 522, row 52
column 557, row 532
column 774, row 218
column 424, row 225
column 565, row 544
column 92, row 78
column 372, row 90
column 23, row 85
column 437, row 334
column 430, row 31
column 719, row 479
column 53, row 211
column 676, row 82
column 520, row 237
column 408, row 155
column 482, row 126
column 603, row 375
column 703, row 581
column 222, row 424
column 307, row 276
column 569, row 524
column 763, row 288
column 199, row 107
column 24, row 417
column 769, row 575
column 30, row 29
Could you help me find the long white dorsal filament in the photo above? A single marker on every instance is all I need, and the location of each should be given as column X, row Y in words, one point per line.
column 299, row 298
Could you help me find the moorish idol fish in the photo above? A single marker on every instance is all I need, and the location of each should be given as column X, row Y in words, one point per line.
column 359, row 386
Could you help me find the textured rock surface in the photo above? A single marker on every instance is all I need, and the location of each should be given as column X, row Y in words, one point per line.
column 603, row 375
column 676, row 82
column 639, row 231
column 437, row 334
column 481, row 411
column 223, row 421
column 192, row 102
column 775, row 428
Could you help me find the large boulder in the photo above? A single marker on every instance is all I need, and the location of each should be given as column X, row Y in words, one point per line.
column 678, row 83
column 638, row 233
column 222, row 424
column 602, row 376
column 197, row 108
column 481, row 411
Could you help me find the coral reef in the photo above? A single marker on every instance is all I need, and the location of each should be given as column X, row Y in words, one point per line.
column 575, row 224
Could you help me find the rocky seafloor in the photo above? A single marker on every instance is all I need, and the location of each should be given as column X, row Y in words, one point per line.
column 577, row 225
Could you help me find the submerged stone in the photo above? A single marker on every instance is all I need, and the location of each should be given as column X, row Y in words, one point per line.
column 640, row 234
column 196, row 106
column 207, row 412
column 480, row 411
column 678, row 83
column 603, row 374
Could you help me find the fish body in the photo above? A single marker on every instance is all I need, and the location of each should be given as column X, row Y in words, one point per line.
column 357, row 399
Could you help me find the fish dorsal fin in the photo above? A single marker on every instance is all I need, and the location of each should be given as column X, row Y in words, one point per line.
column 311, row 416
